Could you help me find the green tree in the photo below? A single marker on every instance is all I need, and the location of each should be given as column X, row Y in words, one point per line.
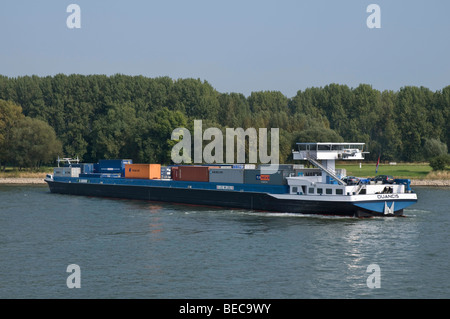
column 336, row 104
column 434, row 147
column 234, row 110
column 157, row 137
column 89, row 113
column 386, row 139
column 34, row 143
column 10, row 116
column 309, row 102
column 364, row 114
column 319, row 135
column 114, row 133
column 439, row 163
column 443, row 116
column 271, row 101
column 412, row 117
column 196, row 99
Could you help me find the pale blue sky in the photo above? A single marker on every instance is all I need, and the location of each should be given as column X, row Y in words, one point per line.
column 237, row 46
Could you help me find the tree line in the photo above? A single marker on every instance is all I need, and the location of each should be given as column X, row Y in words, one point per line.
column 120, row 116
column 25, row 141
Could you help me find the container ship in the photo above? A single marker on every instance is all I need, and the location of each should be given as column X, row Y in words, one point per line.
column 315, row 188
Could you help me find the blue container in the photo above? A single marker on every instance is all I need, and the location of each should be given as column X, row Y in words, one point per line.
column 166, row 172
column 114, row 163
column 111, row 175
column 87, row 168
column 110, row 170
column 90, row 175
column 113, row 166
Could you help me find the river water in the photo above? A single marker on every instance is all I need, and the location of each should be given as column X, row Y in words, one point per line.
column 138, row 249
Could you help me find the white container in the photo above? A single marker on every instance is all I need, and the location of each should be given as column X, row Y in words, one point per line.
column 67, row 171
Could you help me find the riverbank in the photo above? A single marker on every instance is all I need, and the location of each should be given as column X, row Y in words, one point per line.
column 430, row 182
column 21, row 180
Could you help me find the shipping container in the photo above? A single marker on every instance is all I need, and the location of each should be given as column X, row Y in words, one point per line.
column 174, row 173
column 255, row 176
column 112, row 175
column 112, row 170
column 67, row 171
column 244, row 166
column 226, row 175
column 114, row 163
column 86, row 168
column 191, row 173
column 286, row 170
column 143, row 171
column 279, row 166
column 113, row 166
column 97, row 175
column 166, row 172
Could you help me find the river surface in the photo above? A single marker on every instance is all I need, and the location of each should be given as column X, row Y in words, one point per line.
column 138, row 249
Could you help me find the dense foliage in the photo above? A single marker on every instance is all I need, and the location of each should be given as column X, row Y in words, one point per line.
column 98, row 116
column 25, row 141
column 439, row 163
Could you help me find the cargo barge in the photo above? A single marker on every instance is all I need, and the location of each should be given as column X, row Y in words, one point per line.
column 321, row 189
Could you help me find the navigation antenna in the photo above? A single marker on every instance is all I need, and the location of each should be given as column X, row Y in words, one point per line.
column 69, row 160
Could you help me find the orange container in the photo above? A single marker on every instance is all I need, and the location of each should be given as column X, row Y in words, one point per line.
column 143, row 171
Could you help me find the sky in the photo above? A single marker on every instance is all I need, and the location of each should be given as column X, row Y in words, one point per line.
column 236, row 46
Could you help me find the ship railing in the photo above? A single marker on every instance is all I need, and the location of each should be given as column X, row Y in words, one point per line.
column 329, row 171
column 68, row 160
column 359, row 187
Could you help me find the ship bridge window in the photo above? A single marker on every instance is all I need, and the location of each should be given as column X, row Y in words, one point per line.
column 320, row 191
column 339, row 191
column 321, row 147
column 329, row 191
column 311, row 190
column 298, row 190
